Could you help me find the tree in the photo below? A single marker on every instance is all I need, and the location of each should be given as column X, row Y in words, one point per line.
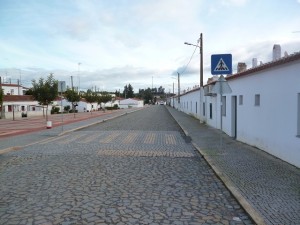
column 128, row 91
column 147, row 95
column 73, row 97
column 90, row 97
column 45, row 91
column 104, row 98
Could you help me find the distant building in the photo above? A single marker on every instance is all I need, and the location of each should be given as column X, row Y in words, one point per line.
column 276, row 52
column 254, row 62
column 241, row 67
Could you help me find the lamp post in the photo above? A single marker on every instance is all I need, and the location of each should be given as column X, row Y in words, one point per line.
column 178, row 89
column 200, row 46
column 200, row 41
column 79, row 78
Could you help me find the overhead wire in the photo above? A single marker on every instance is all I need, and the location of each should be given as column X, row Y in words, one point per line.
column 189, row 61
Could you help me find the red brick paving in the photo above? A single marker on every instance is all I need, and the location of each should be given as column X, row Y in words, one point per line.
column 10, row 127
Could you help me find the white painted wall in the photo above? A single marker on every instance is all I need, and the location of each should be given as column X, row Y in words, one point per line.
column 272, row 126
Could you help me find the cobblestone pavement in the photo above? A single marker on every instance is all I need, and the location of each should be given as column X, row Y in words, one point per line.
column 134, row 169
column 269, row 184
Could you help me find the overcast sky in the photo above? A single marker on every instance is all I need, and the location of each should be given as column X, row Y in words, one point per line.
column 111, row 43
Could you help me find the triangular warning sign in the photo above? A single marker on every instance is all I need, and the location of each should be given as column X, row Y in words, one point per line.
column 221, row 66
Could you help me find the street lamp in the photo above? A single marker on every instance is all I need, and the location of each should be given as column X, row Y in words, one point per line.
column 200, row 46
column 201, row 57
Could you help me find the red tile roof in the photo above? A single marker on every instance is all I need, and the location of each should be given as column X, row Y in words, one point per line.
column 17, row 98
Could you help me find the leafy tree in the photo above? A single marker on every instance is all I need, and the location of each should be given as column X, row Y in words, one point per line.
column 147, row 95
column 104, row 98
column 90, row 97
column 29, row 92
column 128, row 91
column 45, row 91
column 73, row 97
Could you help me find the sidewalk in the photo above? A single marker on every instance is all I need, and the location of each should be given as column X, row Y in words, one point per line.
column 267, row 187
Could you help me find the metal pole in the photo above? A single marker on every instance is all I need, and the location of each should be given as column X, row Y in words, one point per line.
column 173, row 94
column 201, row 73
column 178, row 89
column 61, row 108
column 201, row 60
column 221, row 109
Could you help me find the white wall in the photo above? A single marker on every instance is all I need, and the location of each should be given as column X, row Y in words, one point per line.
column 272, row 126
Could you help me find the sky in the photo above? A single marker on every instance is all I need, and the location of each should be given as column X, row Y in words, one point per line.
column 107, row 44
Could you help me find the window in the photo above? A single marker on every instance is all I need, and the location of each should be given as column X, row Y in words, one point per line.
column 298, row 119
column 210, row 110
column 240, row 99
column 9, row 108
column 22, row 108
column 203, row 108
column 12, row 91
column 223, row 107
column 257, row 100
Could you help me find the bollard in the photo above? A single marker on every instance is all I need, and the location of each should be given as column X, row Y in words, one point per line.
column 49, row 124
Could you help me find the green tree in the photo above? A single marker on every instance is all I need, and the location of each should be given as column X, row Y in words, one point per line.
column 104, row 98
column 146, row 95
column 45, row 91
column 90, row 97
column 73, row 97
column 128, row 91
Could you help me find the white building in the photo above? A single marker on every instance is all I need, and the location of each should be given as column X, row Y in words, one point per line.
column 13, row 89
column 16, row 105
column 131, row 103
column 263, row 109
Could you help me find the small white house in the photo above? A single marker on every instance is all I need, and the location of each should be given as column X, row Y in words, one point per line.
column 131, row 103
column 16, row 105
column 13, row 89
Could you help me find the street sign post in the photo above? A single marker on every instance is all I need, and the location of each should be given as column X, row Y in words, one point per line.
column 221, row 64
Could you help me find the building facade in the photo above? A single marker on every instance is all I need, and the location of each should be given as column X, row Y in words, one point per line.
column 263, row 109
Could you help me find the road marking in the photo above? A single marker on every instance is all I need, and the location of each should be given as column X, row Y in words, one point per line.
column 131, row 137
column 150, row 138
column 110, row 138
column 170, row 139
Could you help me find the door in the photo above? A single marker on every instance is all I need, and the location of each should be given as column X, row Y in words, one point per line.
column 234, row 116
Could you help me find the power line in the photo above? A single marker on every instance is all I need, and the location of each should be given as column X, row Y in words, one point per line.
column 189, row 61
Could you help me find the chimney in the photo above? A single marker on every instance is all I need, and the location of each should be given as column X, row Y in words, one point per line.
column 241, row 67
column 276, row 52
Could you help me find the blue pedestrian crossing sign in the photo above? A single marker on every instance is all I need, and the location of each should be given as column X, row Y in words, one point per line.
column 221, row 64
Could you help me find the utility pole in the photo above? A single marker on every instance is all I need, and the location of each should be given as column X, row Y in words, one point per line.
column 173, row 94
column 72, row 83
column 178, row 89
column 201, row 60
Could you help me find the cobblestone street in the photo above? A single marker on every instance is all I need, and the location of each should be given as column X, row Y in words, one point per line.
column 139, row 168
